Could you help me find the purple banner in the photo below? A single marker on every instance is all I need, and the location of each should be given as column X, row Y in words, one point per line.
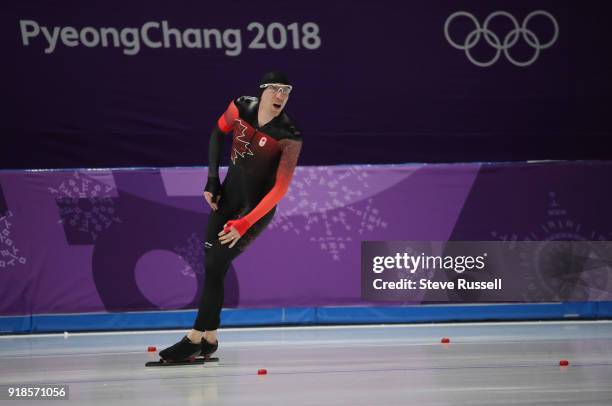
column 117, row 240
column 143, row 83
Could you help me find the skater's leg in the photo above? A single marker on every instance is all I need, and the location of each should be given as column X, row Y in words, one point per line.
column 193, row 339
column 217, row 260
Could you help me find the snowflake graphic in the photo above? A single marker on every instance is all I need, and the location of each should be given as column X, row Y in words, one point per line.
column 85, row 204
column 9, row 253
column 548, row 277
column 557, row 223
column 330, row 222
column 192, row 253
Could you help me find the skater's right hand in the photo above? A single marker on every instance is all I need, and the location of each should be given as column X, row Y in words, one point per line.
column 212, row 192
column 212, row 202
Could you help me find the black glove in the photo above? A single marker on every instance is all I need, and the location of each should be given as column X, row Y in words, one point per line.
column 213, row 185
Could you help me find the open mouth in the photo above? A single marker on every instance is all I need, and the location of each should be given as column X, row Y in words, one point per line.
column 276, row 106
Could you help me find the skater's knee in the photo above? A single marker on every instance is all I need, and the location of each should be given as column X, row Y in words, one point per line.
column 215, row 262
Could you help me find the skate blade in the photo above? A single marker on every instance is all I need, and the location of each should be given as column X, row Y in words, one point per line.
column 191, row 361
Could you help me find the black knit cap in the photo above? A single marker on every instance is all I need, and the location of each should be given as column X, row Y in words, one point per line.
column 275, row 77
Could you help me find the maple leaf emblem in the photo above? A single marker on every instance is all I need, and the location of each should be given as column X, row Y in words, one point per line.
column 240, row 146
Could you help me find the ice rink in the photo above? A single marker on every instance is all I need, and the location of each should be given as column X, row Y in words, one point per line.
column 484, row 364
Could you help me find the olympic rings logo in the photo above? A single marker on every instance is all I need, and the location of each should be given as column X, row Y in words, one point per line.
column 509, row 40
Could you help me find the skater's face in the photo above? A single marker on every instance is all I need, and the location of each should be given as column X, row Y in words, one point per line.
column 274, row 97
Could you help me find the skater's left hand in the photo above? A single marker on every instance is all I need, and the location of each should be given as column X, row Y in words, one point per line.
column 231, row 236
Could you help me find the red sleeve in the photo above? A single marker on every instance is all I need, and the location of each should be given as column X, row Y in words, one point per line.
column 226, row 121
column 290, row 151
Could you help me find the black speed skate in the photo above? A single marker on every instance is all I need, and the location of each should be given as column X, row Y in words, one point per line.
column 207, row 348
column 183, row 353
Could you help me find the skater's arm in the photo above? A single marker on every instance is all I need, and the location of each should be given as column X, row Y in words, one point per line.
column 215, row 151
column 226, row 121
column 290, row 152
column 215, row 148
